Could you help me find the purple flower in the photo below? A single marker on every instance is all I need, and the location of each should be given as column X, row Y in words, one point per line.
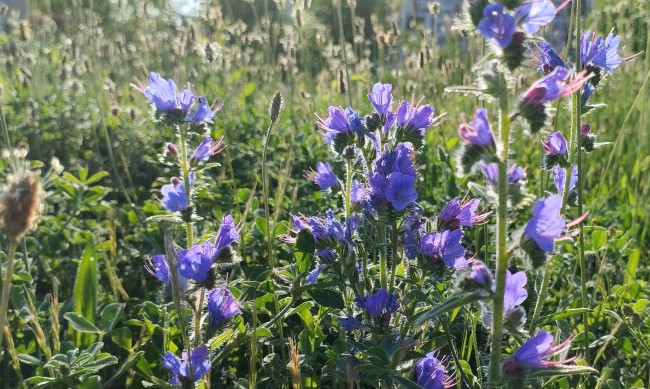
column 548, row 58
column 585, row 130
column 381, row 97
column 327, row 255
column 194, row 263
column 456, row 214
column 164, row 94
column 598, row 52
column 174, row 196
column 535, row 353
column 491, row 172
column 380, row 305
column 534, row 14
column 323, row 176
column 358, row 192
column 479, row 275
column 515, row 174
column 157, row 267
column 400, row 192
column 478, row 131
column 228, row 234
column 350, row 324
column 356, row 122
column 180, row 368
column 553, row 86
column 560, row 178
column 415, row 118
column 388, row 123
column 312, row 277
column 496, row 26
column 206, row 149
column 335, row 124
column 587, row 90
column 203, row 113
column 430, row 372
column 546, row 225
column 413, row 228
column 399, row 160
column 515, row 292
column 555, row 145
column 445, row 246
column 324, row 230
column 221, row 306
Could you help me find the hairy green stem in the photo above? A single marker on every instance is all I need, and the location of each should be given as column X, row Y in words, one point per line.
column 502, row 251
column 394, row 260
column 269, row 242
column 6, row 286
column 348, row 188
column 541, row 296
column 575, row 100
column 189, row 230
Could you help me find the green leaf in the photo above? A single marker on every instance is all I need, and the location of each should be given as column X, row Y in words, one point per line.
column 261, row 332
column 28, row 359
column 598, row 239
column 81, row 324
column 96, row 177
column 326, row 297
column 632, row 265
column 371, row 369
column 304, row 250
column 218, row 340
column 125, row 366
column 85, row 292
column 111, row 315
column 22, row 277
column 447, row 305
column 122, row 337
column 639, row 305
column 563, row 314
column 91, row 382
column 404, row 382
column 560, row 370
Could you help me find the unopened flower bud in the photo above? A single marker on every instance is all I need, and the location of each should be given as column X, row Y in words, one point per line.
column 276, row 106
column 172, row 150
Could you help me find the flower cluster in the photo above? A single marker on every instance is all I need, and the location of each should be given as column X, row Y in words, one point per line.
column 175, row 105
column 535, row 354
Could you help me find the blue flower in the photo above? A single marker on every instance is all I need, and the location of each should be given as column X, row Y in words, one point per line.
column 325, row 230
column 546, row 225
column 206, row 149
column 327, row 255
column 456, row 214
column 445, row 246
column 312, row 277
column 535, row 353
column 174, row 196
column 194, row 263
column 534, row 14
column 221, row 306
column 180, row 368
column 335, row 124
column 496, row 26
column 399, row 160
column 164, row 95
column 479, row 275
column 587, row 91
column 430, row 372
column 381, row 97
column 555, row 145
column 414, row 118
column 478, row 131
column 323, row 176
column 350, row 324
column 158, row 268
column 560, row 178
column 356, row 122
column 553, row 86
column 413, row 229
column 548, row 58
column 491, row 172
column 600, row 53
column 228, row 234
column 400, row 191
column 203, row 113
column 380, row 305
column 358, row 192
column 515, row 292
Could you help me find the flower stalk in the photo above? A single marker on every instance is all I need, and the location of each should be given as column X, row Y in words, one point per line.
column 502, row 251
column 6, row 286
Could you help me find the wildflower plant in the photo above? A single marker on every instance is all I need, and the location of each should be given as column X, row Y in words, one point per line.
column 190, row 276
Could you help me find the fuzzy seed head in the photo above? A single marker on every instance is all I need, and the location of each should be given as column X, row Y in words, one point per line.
column 276, row 106
column 21, row 204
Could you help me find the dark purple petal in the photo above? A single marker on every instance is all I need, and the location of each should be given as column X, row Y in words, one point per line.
column 221, row 306
column 195, row 262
